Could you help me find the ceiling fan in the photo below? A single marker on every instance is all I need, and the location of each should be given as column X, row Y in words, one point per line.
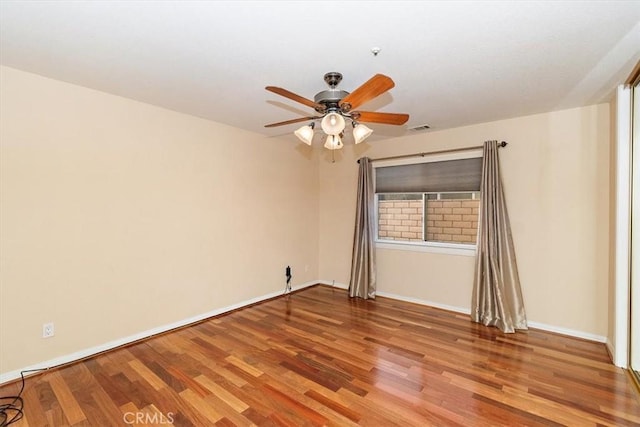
column 333, row 106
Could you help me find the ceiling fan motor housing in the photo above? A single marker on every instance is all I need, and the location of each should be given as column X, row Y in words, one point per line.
column 330, row 98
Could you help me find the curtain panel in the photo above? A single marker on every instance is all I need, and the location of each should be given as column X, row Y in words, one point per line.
column 362, row 282
column 497, row 295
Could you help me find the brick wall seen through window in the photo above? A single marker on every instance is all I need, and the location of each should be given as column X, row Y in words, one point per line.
column 449, row 217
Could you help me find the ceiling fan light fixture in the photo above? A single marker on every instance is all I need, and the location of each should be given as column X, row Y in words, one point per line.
column 333, row 124
column 305, row 133
column 360, row 132
column 334, row 142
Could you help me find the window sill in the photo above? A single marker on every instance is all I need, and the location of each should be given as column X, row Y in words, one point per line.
column 431, row 247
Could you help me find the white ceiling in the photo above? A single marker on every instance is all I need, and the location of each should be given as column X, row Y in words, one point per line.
column 454, row 63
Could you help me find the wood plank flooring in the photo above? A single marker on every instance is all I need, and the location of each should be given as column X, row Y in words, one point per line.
column 317, row 358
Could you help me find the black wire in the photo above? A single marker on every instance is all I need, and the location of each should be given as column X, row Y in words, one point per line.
column 287, row 286
column 15, row 407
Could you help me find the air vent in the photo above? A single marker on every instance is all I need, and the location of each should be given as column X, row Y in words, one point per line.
column 420, row 128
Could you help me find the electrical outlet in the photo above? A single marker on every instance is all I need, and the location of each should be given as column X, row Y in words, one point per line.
column 47, row 330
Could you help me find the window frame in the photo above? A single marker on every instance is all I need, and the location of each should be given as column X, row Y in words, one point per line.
column 424, row 246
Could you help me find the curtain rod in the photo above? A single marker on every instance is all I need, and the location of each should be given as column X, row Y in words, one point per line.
column 452, row 150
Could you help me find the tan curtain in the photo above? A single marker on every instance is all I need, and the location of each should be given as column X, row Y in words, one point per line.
column 363, row 262
column 497, row 297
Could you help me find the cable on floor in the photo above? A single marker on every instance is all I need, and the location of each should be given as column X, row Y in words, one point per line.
column 13, row 411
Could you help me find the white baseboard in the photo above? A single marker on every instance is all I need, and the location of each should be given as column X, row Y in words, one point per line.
column 570, row 332
column 424, row 302
column 78, row 355
column 534, row 325
column 612, row 351
column 333, row 284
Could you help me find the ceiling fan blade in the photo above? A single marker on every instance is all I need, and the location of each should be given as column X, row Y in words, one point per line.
column 385, row 118
column 376, row 85
column 288, row 122
column 293, row 96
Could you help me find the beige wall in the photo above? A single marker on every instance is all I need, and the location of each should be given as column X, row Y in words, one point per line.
column 118, row 217
column 556, row 178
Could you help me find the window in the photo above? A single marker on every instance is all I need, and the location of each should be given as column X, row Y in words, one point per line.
column 434, row 203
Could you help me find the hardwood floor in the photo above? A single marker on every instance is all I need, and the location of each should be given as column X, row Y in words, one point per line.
column 316, row 357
